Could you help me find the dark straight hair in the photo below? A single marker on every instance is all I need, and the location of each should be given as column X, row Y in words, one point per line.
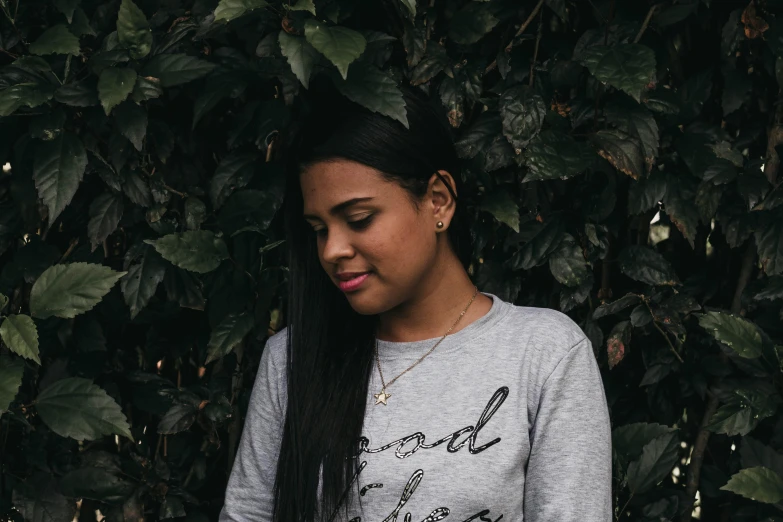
column 330, row 347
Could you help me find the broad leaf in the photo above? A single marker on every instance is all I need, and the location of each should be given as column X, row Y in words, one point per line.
column 179, row 418
column 195, row 250
column 139, row 284
column 615, row 306
column 105, row 214
column 11, row 372
column 56, row 40
column 757, row 483
column 620, row 149
column 646, row 265
column 58, row 169
column 21, row 336
column 97, row 484
column 739, row 334
column 133, row 30
column 230, row 9
column 500, row 204
column 657, row 460
column 233, row 172
column 300, row 54
column 568, row 265
column 114, row 86
column 769, row 242
column 75, row 407
column 339, row 44
column 522, row 112
column 628, row 67
column 227, row 335
column 132, row 123
column 471, row 23
column 70, row 289
column 176, row 69
column 374, row 89
column 537, row 250
column 77, row 94
column 554, row 155
column 636, row 121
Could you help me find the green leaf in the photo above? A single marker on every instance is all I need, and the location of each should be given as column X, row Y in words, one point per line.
column 228, row 334
column 739, row 334
column 471, row 23
column 38, row 500
column 500, row 204
column 554, row 155
column 230, row 9
column 78, row 94
column 11, row 372
column 176, row 69
column 179, row 418
column 114, row 86
column 29, row 94
column 645, row 193
column 615, row 306
column 304, row 5
column 139, row 284
column 411, row 5
column 742, row 412
column 195, row 250
column 636, row 121
column 567, row 263
column 146, row 89
column 66, row 7
column 339, row 44
column 769, row 243
column 56, row 40
column 300, row 54
column 628, row 67
column 133, row 30
column 374, row 89
column 132, row 122
column 522, row 112
column 435, row 60
column 21, row 336
column 646, row 265
column 68, row 290
column 629, row 440
column 105, row 214
column 233, row 172
column 57, row 170
column 757, row 483
column 538, row 248
column 217, row 87
column 622, row 150
column 97, row 484
column 657, row 460
column 75, row 407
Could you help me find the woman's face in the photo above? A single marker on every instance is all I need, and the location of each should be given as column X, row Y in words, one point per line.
column 366, row 225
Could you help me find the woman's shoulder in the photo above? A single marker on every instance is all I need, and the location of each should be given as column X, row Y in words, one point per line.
column 551, row 330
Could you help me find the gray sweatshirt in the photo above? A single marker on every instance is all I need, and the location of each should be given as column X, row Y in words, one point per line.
column 506, row 419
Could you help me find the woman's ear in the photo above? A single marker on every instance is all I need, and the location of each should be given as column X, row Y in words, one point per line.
column 443, row 203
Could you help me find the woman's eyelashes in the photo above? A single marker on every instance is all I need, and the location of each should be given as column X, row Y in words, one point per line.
column 359, row 224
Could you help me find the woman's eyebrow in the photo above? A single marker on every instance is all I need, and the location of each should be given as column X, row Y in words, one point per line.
column 341, row 206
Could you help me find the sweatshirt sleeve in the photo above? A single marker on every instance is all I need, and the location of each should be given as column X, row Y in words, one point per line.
column 569, row 474
column 249, row 494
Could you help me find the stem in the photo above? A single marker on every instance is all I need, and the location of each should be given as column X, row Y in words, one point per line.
column 745, row 272
column 697, row 457
column 646, row 23
column 521, row 30
column 67, row 68
column 655, row 324
column 535, row 52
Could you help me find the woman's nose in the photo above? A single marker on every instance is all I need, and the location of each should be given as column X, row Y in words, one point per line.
column 337, row 245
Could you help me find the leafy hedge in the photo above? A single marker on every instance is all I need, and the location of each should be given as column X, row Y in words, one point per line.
column 623, row 165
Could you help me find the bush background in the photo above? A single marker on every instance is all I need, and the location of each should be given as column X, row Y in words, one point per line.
column 622, row 165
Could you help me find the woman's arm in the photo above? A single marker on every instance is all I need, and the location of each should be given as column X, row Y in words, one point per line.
column 569, row 474
column 249, row 494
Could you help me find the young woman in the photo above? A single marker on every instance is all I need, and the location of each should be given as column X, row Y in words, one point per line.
column 398, row 390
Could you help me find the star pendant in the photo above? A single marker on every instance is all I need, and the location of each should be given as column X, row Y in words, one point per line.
column 381, row 397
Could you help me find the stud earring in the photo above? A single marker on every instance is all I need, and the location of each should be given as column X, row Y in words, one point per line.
column 439, row 224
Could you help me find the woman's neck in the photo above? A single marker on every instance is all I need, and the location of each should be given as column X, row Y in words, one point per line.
column 434, row 309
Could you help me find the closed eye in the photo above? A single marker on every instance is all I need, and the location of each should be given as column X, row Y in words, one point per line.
column 359, row 224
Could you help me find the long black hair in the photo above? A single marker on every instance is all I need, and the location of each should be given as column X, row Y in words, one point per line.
column 330, row 347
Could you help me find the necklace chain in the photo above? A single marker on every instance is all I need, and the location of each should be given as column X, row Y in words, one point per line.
column 377, row 359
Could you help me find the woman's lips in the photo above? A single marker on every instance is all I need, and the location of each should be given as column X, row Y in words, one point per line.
column 353, row 284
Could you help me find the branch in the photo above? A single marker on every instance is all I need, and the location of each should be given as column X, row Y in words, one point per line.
column 646, row 23
column 746, row 269
column 697, row 458
column 521, row 30
column 535, row 52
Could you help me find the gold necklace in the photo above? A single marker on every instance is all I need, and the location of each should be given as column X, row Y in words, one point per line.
column 381, row 398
